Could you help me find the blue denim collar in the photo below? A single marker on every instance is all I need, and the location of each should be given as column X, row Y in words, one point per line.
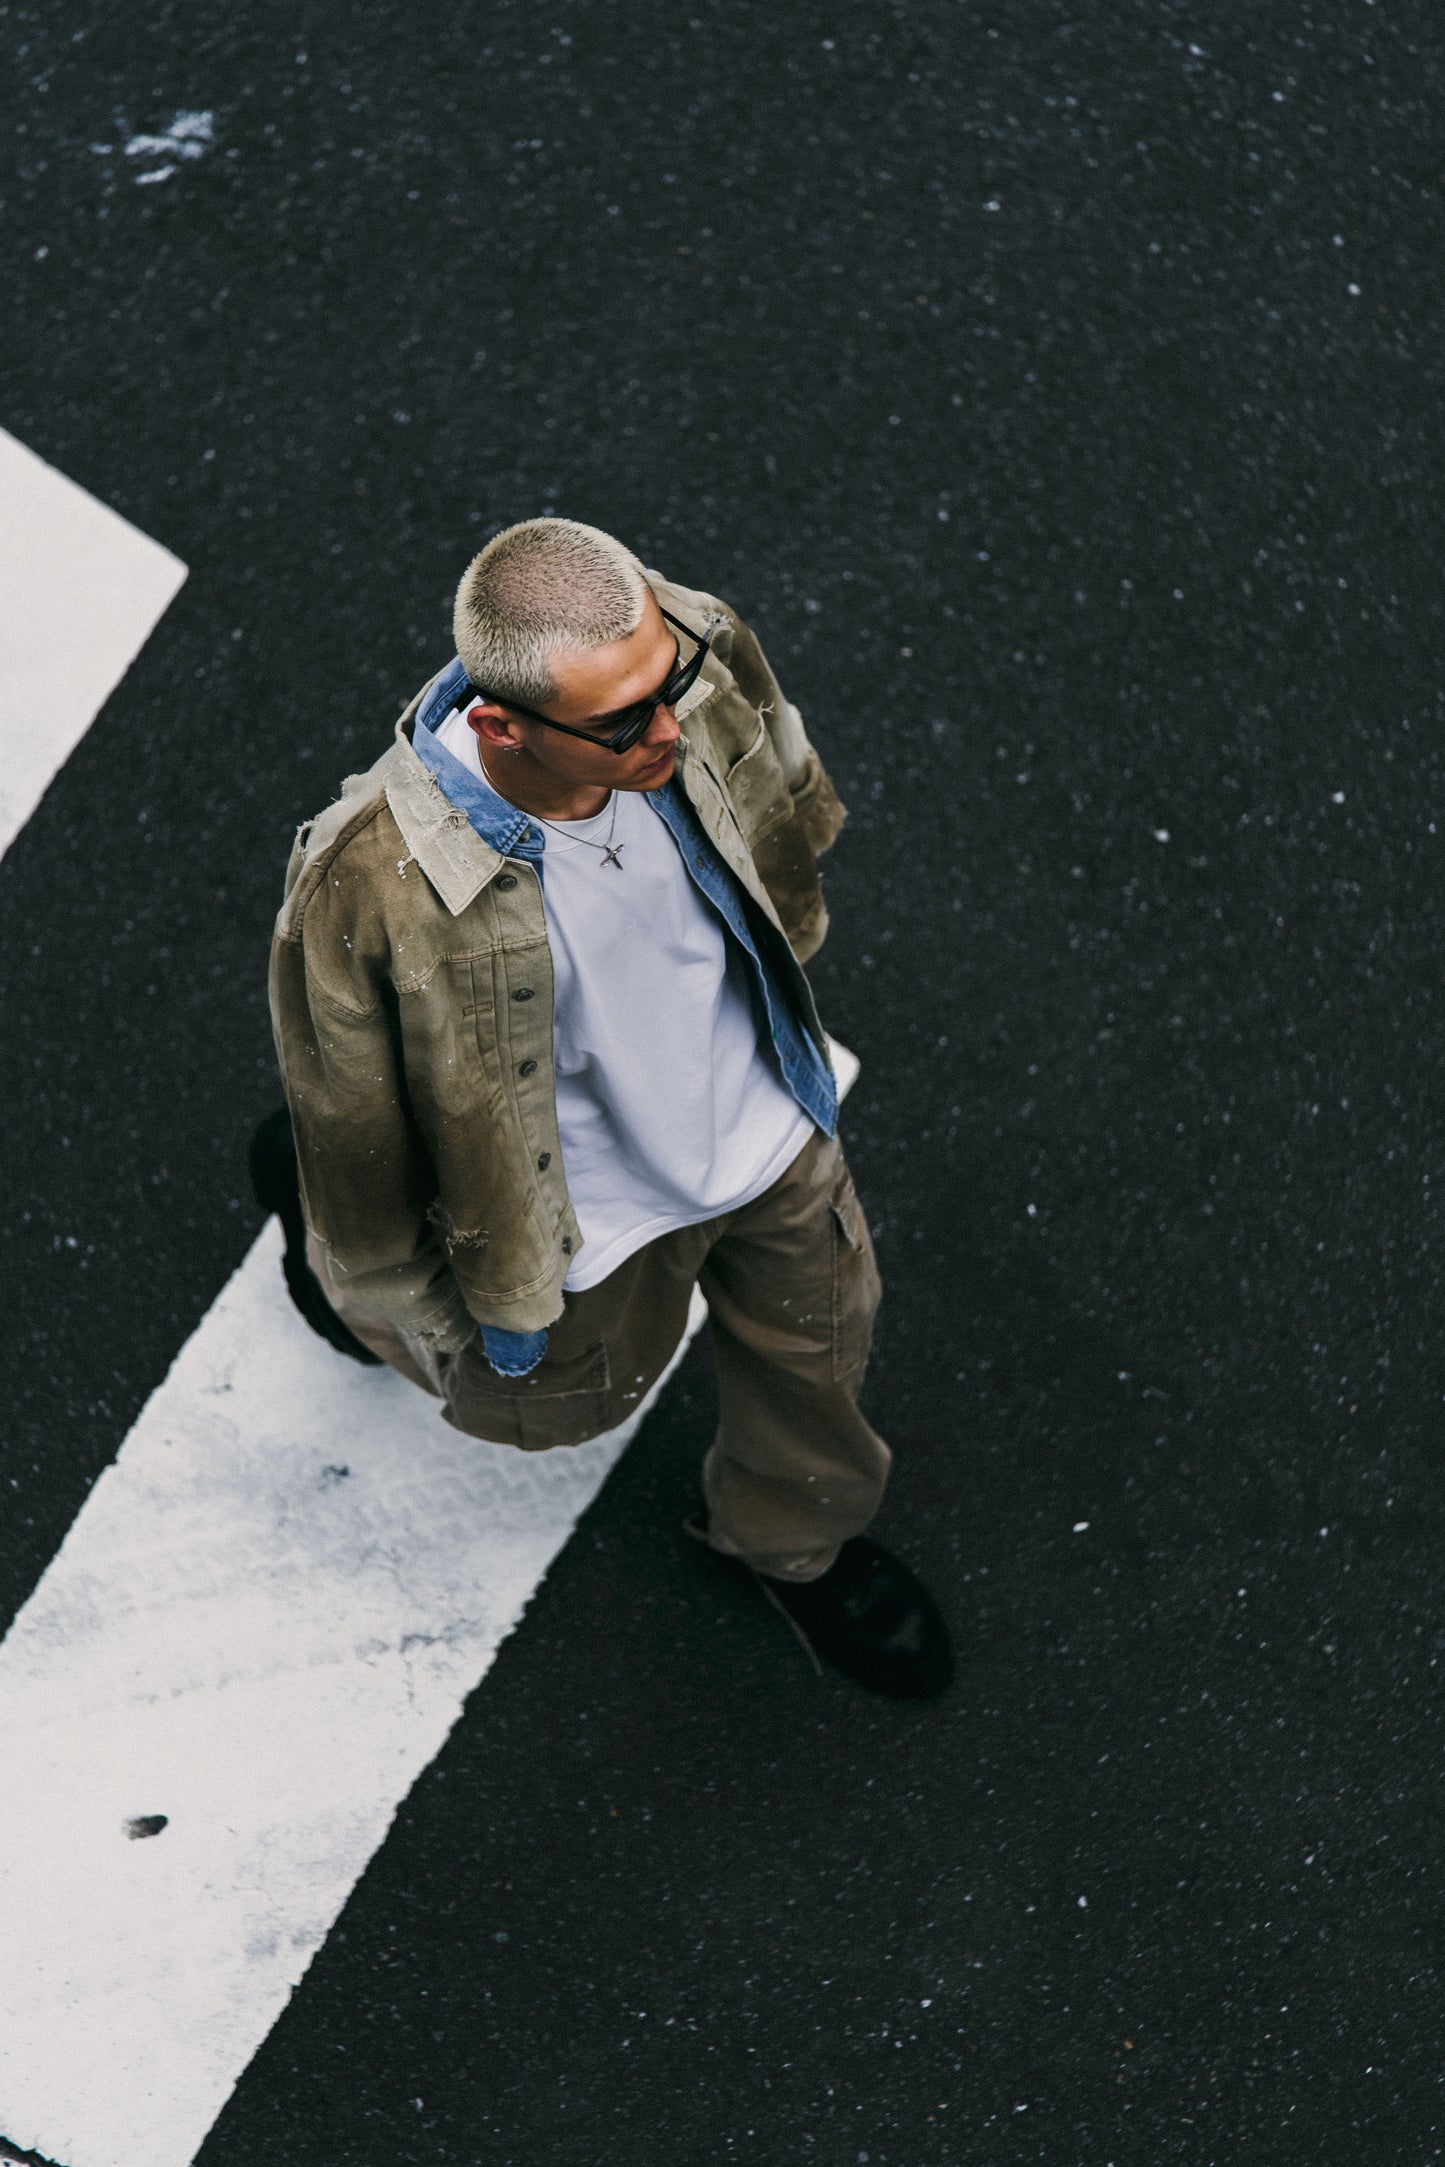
column 511, row 833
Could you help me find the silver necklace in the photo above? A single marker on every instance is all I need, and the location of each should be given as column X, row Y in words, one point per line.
column 611, row 852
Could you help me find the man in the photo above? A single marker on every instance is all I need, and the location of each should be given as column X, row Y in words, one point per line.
column 551, row 1059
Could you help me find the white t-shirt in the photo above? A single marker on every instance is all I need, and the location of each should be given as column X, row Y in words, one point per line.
column 667, row 1110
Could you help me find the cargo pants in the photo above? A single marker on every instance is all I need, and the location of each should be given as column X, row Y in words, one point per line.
column 792, row 1288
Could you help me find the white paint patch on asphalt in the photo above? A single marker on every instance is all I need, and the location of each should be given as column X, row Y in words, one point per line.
column 257, row 1634
column 262, row 1626
column 189, row 136
column 81, row 590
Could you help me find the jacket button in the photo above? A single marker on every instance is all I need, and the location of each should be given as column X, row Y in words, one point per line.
column 544, row 1162
column 566, row 1245
column 506, row 880
column 528, row 1068
column 523, row 993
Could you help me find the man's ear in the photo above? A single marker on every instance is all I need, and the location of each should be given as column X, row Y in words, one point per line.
column 492, row 725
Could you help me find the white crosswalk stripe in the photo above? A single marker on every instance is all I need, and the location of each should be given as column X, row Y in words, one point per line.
column 262, row 1626
column 80, row 593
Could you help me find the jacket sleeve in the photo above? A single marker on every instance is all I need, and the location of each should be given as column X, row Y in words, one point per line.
column 366, row 1177
column 816, row 805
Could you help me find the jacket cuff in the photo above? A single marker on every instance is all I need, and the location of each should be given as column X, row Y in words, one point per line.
column 447, row 1330
column 817, row 808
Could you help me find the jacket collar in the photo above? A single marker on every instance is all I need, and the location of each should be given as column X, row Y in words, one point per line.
column 459, row 847
column 504, row 826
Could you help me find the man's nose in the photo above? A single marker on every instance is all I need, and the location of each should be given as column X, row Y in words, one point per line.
column 664, row 729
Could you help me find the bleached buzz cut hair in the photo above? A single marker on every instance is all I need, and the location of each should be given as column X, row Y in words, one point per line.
column 536, row 588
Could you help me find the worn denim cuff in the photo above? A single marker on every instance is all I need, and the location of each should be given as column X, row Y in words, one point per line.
column 512, row 1354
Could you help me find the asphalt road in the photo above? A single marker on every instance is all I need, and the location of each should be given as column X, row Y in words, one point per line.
column 1056, row 388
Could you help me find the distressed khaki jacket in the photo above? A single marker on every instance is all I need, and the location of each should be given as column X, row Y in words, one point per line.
column 411, row 999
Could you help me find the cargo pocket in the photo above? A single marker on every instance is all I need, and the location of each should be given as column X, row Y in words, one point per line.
column 563, row 1401
column 857, row 1287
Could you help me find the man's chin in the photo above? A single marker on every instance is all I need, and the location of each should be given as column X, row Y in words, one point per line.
column 653, row 778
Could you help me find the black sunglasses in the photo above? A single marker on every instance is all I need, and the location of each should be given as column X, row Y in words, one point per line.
column 632, row 721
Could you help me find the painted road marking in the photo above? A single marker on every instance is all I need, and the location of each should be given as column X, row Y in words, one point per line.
column 81, row 590
column 261, row 1627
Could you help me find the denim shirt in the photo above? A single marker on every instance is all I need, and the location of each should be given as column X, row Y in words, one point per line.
column 804, row 1067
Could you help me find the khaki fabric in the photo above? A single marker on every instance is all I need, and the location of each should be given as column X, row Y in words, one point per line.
column 411, row 1000
column 792, row 1288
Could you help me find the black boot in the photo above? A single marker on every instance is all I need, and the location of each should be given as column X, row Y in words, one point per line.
column 873, row 1619
column 869, row 1616
column 278, row 1188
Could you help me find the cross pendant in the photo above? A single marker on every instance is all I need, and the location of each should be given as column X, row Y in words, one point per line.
column 612, row 855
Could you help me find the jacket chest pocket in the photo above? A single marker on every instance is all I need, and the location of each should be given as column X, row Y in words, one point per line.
column 481, row 1013
column 759, row 796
